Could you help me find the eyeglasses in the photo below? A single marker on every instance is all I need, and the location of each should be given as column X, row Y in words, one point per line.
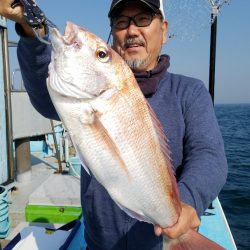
column 140, row 20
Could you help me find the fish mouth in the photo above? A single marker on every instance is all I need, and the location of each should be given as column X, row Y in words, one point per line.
column 69, row 36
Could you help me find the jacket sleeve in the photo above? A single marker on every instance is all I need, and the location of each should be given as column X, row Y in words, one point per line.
column 34, row 58
column 204, row 168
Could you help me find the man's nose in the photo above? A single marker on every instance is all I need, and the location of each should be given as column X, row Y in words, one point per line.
column 132, row 28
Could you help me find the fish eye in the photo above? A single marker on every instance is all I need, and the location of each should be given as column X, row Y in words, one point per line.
column 103, row 54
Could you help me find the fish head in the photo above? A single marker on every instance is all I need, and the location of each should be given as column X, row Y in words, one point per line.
column 83, row 66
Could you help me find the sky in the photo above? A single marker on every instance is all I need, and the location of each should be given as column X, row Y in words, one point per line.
column 189, row 56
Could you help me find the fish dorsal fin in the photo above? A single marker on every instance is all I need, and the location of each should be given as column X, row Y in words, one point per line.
column 161, row 136
column 163, row 141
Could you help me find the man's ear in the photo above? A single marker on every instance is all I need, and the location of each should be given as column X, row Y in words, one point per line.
column 164, row 31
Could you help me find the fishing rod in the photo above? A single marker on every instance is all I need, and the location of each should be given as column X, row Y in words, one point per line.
column 213, row 38
column 34, row 17
column 216, row 5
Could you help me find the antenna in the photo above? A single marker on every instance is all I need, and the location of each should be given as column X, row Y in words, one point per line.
column 215, row 9
column 188, row 18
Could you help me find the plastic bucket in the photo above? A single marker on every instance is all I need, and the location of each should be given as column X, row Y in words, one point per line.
column 74, row 166
column 4, row 212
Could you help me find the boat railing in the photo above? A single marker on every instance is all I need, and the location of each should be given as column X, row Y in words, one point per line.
column 17, row 84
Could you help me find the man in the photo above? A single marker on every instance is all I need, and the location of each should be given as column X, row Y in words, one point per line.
column 182, row 104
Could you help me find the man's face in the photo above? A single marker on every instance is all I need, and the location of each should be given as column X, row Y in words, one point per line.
column 139, row 46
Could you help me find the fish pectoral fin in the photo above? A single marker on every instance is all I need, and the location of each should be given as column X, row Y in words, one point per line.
column 105, row 102
column 109, row 144
column 87, row 114
column 191, row 240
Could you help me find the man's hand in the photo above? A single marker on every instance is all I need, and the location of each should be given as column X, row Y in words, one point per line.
column 188, row 220
column 16, row 15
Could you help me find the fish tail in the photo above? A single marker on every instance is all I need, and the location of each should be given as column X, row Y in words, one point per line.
column 192, row 240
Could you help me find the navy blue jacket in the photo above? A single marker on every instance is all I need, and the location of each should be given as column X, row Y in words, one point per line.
column 184, row 107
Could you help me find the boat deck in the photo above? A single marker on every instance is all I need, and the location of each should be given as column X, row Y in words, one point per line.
column 46, row 187
column 215, row 227
column 41, row 186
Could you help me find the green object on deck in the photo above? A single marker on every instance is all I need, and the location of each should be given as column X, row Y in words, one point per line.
column 52, row 214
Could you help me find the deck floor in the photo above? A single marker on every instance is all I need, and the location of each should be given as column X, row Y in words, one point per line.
column 47, row 188
column 41, row 186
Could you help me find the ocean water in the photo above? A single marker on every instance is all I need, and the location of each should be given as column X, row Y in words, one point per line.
column 234, row 121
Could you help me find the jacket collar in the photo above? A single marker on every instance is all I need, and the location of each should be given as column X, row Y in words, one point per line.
column 149, row 80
